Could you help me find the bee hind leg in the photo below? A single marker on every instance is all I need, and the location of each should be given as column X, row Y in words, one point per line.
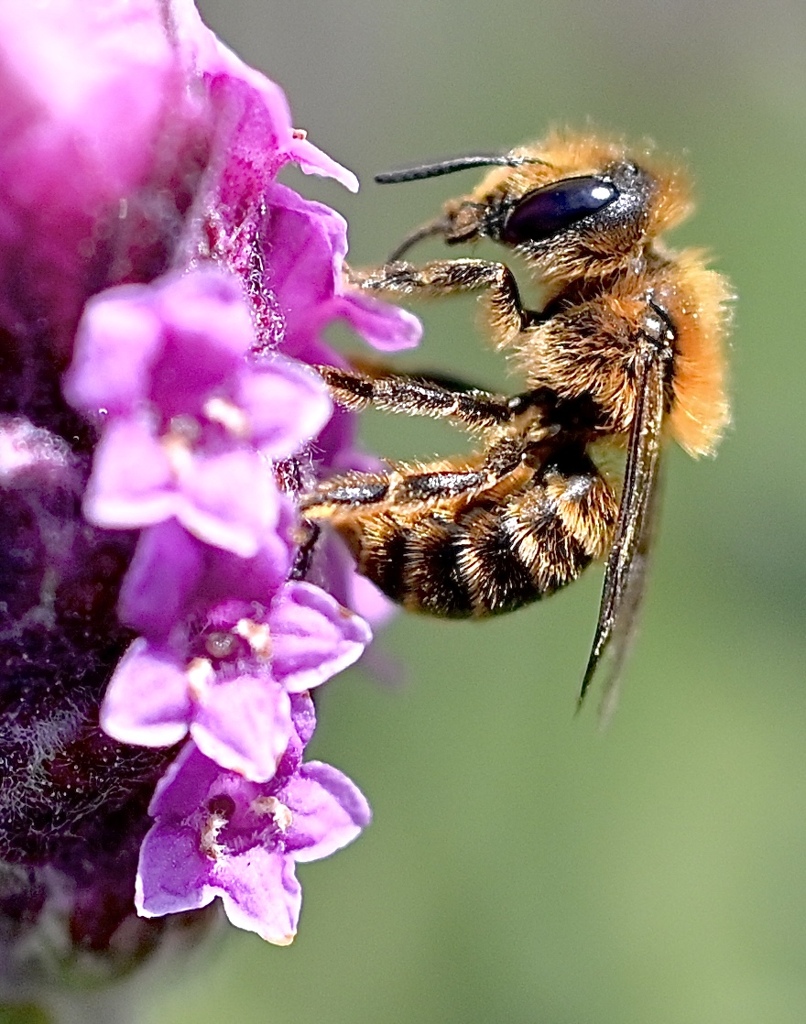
column 433, row 483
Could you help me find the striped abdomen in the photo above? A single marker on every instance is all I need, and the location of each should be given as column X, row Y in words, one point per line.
column 486, row 557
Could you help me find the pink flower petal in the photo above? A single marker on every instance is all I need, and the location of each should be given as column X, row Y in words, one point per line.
column 313, row 161
column 98, row 125
column 313, row 636
column 167, row 567
column 115, row 348
column 171, row 877
column 263, row 896
column 287, row 404
column 147, row 700
column 229, row 501
column 244, row 725
column 387, row 328
column 329, row 811
column 132, row 480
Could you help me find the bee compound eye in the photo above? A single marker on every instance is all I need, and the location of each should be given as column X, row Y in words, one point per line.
column 550, row 210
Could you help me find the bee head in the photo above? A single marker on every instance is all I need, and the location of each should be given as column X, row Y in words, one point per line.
column 573, row 205
column 590, row 208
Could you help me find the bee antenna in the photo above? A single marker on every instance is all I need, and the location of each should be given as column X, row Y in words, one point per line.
column 458, row 163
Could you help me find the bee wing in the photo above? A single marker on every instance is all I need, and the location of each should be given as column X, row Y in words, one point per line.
column 626, row 565
column 627, row 626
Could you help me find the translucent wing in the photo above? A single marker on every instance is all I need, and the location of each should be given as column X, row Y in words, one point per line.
column 630, row 614
column 625, row 571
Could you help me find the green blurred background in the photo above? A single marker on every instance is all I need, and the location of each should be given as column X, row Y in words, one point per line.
column 523, row 866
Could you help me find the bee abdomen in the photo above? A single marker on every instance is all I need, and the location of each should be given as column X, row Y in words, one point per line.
column 485, row 561
column 415, row 563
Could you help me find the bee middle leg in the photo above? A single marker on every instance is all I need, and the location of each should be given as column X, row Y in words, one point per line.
column 421, row 395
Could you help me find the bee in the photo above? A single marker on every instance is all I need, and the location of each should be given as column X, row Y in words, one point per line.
column 625, row 351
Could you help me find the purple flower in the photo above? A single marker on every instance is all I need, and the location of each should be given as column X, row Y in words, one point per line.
column 226, row 676
column 216, row 834
column 189, row 416
column 160, row 296
column 307, row 280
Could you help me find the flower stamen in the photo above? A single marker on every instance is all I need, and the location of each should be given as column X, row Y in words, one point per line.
column 271, row 806
column 257, row 635
column 200, row 677
column 233, row 419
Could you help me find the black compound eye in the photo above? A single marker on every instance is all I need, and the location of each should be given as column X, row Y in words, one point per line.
column 552, row 209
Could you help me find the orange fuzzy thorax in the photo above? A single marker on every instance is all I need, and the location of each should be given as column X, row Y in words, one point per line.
column 698, row 300
column 696, row 297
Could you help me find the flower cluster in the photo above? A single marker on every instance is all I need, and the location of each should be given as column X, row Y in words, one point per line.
column 163, row 298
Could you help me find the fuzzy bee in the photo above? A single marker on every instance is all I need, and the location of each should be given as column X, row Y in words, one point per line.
column 625, row 351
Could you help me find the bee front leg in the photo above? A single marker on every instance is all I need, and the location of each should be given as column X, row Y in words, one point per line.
column 507, row 314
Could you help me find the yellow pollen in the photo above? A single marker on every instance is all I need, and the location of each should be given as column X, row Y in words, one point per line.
column 232, row 418
column 257, row 635
column 178, row 441
column 200, row 676
column 271, row 805
column 208, row 840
